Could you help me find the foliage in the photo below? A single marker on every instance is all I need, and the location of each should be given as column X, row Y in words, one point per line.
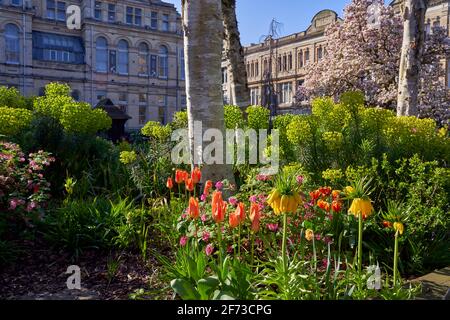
column 75, row 117
column 258, row 117
column 14, row 120
column 180, row 120
column 157, row 131
column 234, row 117
column 11, row 97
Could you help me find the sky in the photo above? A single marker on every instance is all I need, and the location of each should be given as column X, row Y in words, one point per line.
column 254, row 16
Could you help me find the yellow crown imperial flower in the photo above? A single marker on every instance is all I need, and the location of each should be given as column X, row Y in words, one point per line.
column 399, row 227
column 348, row 190
column 309, row 234
column 361, row 206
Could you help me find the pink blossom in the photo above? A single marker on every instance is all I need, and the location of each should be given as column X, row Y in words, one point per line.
column 203, row 197
column 219, row 185
column 273, row 227
column 263, row 177
column 183, row 241
column 233, row 201
column 300, row 180
column 318, row 237
column 209, row 249
column 206, row 235
column 204, row 218
column 13, row 204
column 229, row 249
column 253, row 199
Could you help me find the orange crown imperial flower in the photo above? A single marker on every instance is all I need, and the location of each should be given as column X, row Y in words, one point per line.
column 193, row 209
column 361, row 206
column 169, row 183
column 196, row 175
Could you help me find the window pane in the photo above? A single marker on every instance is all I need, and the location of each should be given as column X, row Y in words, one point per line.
column 138, row 17
column 12, row 45
column 154, row 20
column 101, row 55
column 122, row 65
column 111, row 12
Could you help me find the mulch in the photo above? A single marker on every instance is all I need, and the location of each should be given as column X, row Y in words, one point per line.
column 39, row 273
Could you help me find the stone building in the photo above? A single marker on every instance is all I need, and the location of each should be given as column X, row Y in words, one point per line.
column 130, row 51
column 290, row 55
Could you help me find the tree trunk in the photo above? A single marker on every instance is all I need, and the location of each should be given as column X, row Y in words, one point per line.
column 203, row 41
column 240, row 94
column 412, row 51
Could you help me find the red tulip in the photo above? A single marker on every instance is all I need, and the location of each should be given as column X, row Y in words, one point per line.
column 255, row 216
column 219, row 207
column 169, row 183
column 336, row 206
column 196, row 175
column 323, row 205
column 189, row 185
column 208, row 186
column 180, row 176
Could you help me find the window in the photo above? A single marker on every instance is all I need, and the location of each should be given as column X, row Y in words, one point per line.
column 142, row 108
column 284, row 63
column 56, row 47
column 16, row 2
column 153, row 65
column 51, row 9
column 280, row 66
column 143, row 59
column 101, row 55
column 58, row 55
column 163, row 62
column 134, row 16
column 61, row 11
column 254, row 96
column 123, row 98
column 56, row 10
column 75, row 95
column 285, row 92
column 224, row 76
column 182, row 66
column 300, row 59
column 98, row 10
column 266, row 66
column 306, row 57
column 154, row 20
column 183, row 102
column 111, row 12
column 122, row 61
column 252, row 70
column 257, row 69
column 319, row 53
column 12, row 44
column 162, row 114
column 100, row 94
column 290, row 61
column 165, row 22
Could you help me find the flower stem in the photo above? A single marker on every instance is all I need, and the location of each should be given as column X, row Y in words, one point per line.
column 360, row 234
column 219, row 239
column 396, row 258
column 283, row 244
column 239, row 241
column 252, row 250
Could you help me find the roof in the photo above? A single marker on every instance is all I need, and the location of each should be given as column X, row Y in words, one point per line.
column 113, row 111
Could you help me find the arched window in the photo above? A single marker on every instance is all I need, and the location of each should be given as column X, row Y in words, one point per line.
column 143, row 58
column 12, row 44
column 76, row 95
column 122, row 65
column 101, row 55
column 163, row 61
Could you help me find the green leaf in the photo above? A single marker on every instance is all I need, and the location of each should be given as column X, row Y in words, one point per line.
column 206, row 286
column 185, row 289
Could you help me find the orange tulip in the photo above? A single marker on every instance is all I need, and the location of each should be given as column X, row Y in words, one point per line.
column 255, row 216
column 240, row 211
column 234, row 220
column 323, row 205
column 193, row 209
column 336, row 194
column 208, row 186
column 315, row 195
column 180, row 176
column 169, row 183
column 219, row 207
column 189, row 185
column 336, row 206
column 196, row 175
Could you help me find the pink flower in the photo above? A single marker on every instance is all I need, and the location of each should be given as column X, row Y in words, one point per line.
column 229, row 249
column 22, row 159
column 327, row 240
column 253, row 199
column 183, row 241
column 204, row 218
column 184, row 216
column 203, row 197
column 233, row 201
column 40, row 175
column 300, row 180
column 325, row 262
column 273, row 227
column 206, row 235
column 262, row 177
column 219, row 185
column 32, row 205
column 318, row 237
column 13, row 204
column 209, row 249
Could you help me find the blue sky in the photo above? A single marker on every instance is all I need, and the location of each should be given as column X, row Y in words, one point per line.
column 254, row 16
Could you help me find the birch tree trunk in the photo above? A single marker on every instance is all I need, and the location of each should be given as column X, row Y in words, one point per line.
column 240, row 94
column 203, row 43
column 411, row 55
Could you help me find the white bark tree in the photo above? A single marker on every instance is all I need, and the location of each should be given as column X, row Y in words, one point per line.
column 411, row 55
column 203, row 44
column 240, row 94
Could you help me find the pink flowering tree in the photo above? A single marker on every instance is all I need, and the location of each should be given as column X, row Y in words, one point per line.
column 363, row 53
column 23, row 188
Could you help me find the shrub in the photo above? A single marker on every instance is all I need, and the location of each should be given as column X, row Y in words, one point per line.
column 258, row 117
column 14, row 120
column 180, row 120
column 157, row 131
column 11, row 97
column 234, row 117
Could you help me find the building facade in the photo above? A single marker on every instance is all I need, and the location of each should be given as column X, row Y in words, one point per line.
column 287, row 57
column 130, row 51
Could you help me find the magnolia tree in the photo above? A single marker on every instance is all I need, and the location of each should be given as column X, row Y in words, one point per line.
column 363, row 53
